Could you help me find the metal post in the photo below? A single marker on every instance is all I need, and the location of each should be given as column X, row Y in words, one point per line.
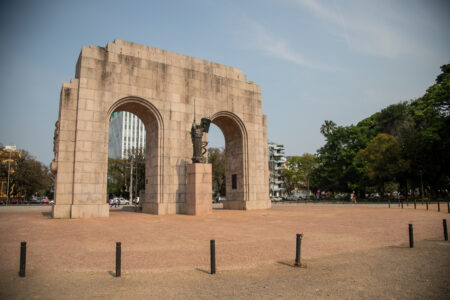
column 439, row 205
column 118, row 258
column 298, row 250
column 131, row 179
column 444, row 223
column 421, row 185
column 426, row 203
column 23, row 258
column 401, row 202
column 411, row 236
column 389, row 202
column 9, row 172
column 213, row 257
column 448, row 206
column 415, row 203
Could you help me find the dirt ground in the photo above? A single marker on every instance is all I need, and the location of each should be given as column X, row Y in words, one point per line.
column 351, row 252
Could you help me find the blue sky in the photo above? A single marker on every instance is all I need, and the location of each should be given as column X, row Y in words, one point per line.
column 314, row 60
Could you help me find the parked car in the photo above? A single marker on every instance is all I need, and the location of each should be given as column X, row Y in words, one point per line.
column 34, row 201
column 292, row 198
column 124, row 201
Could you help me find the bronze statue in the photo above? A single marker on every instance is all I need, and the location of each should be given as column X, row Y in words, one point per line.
column 54, row 163
column 197, row 131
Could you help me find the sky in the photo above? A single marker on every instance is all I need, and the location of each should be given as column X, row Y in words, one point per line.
column 314, row 60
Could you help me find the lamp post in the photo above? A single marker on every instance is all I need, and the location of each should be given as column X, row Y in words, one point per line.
column 10, row 149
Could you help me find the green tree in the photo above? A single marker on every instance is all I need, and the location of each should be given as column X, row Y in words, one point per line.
column 31, row 177
column 298, row 171
column 216, row 157
column 119, row 172
column 336, row 171
column 429, row 145
column 382, row 160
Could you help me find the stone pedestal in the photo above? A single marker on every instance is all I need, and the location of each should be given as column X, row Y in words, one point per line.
column 80, row 211
column 199, row 189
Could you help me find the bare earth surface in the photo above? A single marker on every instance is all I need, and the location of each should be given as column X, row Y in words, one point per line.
column 351, row 252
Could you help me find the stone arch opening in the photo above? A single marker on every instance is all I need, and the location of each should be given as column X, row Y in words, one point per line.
column 161, row 88
column 153, row 122
column 236, row 156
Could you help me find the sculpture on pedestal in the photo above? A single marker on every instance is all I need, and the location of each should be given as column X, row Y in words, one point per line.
column 197, row 131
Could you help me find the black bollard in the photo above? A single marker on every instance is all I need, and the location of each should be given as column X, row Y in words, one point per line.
column 402, row 203
column 298, row 250
column 213, row 257
column 407, row 202
column 444, row 223
column 118, row 258
column 23, row 258
column 411, row 236
column 415, row 204
column 448, row 206
column 389, row 202
column 426, row 202
column 439, row 205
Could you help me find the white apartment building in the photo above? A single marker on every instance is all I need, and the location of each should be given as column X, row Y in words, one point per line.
column 277, row 163
column 126, row 131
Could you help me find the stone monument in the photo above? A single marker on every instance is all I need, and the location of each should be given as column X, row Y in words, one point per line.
column 199, row 173
column 160, row 87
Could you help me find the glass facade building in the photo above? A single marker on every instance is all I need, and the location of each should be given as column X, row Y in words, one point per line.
column 126, row 131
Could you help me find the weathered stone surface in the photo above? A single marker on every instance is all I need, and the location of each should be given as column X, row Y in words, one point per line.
column 199, row 193
column 160, row 87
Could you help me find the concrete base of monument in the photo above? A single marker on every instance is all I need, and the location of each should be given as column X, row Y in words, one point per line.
column 199, row 189
column 80, row 211
column 237, row 205
column 246, row 205
column 60, row 211
column 162, row 208
column 266, row 204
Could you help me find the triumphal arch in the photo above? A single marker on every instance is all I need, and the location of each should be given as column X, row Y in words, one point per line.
column 165, row 90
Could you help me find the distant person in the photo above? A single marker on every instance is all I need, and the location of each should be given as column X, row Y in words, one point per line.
column 353, row 197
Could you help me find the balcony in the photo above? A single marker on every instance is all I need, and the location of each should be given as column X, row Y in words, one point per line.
column 277, row 154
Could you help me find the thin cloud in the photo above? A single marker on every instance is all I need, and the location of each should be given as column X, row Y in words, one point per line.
column 279, row 48
column 363, row 32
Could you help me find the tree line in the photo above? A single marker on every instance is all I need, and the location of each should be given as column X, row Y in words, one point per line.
column 28, row 177
column 404, row 147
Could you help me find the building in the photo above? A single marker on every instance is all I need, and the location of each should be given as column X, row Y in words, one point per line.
column 277, row 162
column 126, row 131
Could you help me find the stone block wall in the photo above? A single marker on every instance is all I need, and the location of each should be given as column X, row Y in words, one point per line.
column 160, row 87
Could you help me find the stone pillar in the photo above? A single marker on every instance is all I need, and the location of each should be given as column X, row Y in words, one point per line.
column 199, row 189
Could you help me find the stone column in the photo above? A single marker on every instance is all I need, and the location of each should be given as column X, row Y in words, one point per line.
column 199, row 189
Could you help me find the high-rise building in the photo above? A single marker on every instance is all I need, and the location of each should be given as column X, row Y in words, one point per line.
column 126, row 131
column 277, row 162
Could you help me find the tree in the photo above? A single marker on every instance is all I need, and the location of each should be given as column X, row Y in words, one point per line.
column 30, row 177
column 216, row 157
column 327, row 128
column 381, row 160
column 336, row 171
column 421, row 130
column 119, row 172
column 429, row 145
column 395, row 120
column 298, row 171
